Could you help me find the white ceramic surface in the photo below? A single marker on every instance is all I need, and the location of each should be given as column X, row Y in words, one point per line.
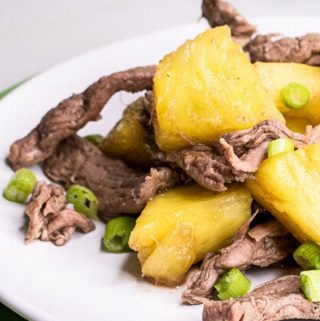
column 78, row 282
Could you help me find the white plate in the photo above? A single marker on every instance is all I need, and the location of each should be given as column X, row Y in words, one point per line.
column 78, row 282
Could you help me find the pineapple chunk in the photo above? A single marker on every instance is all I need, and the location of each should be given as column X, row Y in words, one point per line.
column 288, row 185
column 205, row 88
column 297, row 125
column 128, row 138
column 179, row 227
column 276, row 76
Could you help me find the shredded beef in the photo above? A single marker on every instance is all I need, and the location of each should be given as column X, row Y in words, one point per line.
column 119, row 188
column 262, row 245
column 206, row 167
column 61, row 227
column 49, row 220
column 305, row 49
column 234, row 156
column 73, row 113
column 220, row 12
column 276, row 300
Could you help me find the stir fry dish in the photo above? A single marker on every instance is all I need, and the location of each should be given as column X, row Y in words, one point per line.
column 213, row 170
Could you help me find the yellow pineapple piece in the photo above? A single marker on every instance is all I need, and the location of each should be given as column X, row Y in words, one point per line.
column 179, row 227
column 276, row 76
column 205, row 88
column 288, row 185
column 128, row 138
column 297, row 125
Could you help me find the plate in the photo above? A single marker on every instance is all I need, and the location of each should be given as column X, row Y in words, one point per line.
column 78, row 282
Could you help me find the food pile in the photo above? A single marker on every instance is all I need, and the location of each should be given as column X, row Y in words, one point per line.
column 218, row 162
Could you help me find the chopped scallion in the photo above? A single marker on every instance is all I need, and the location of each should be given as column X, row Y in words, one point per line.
column 84, row 201
column 280, row 145
column 233, row 284
column 117, row 234
column 310, row 285
column 307, row 256
column 20, row 186
column 295, row 95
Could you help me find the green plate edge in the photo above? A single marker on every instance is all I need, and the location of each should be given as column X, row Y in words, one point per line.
column 11, row 88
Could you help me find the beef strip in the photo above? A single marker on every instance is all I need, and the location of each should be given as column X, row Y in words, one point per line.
column 305, row 49
column 234, row 156
column 205, row 166
column 119, row 188
column 220, row 12
column 73, row 113
column 49, row 220
column 262, row 245
column 276, row 300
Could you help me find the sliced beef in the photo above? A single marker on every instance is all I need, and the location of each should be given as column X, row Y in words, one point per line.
column 277, row 300
column 268, row 48
column 119, row 188
column 220, row 12
column 234, row 156
column 73, row 113
column 208, row 168
column 49, row 220
column 305, row 49
column 262, row 245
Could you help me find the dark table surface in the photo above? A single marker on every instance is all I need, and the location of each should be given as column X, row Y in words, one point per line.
column 8, row 315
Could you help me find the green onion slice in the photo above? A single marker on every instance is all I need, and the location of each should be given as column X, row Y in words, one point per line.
column 310, row 285
column 117, row 234
column 83, row 200
column 95, row 139
column 233, row 284
column 307, row 256
column 295, row 95
column 280, row 145
column 20, row 186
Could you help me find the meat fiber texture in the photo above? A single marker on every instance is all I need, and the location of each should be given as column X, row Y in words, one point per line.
column 49, row 219
column 235, row 156
column 69, row 159
column 119, row 188
column 74, row 113
column 262, row 245
column 220, row 12
column 277, row 300
column 268, row 48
